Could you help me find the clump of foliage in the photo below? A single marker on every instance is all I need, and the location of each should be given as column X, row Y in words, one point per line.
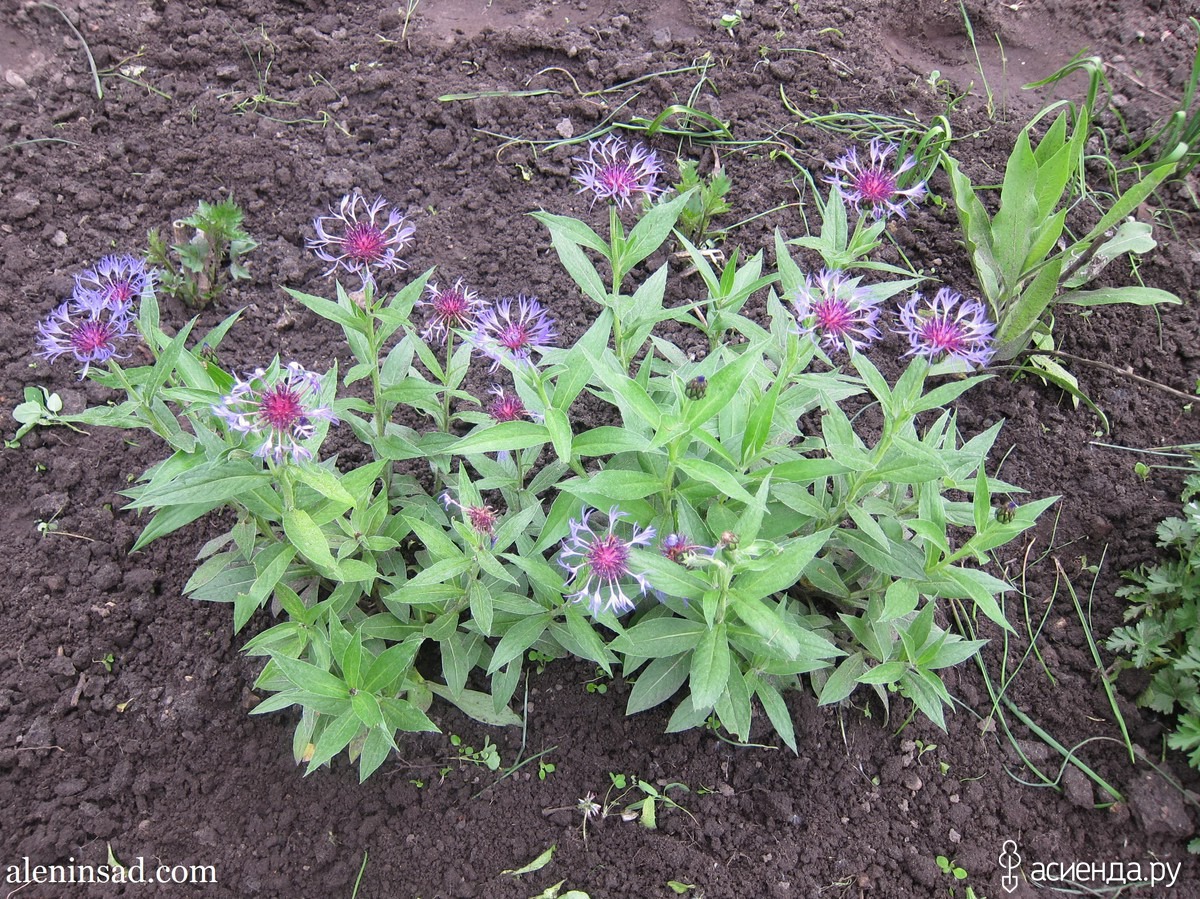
column 1164, row 636
column 706, row 199
column 207, row 253
column 701, row 540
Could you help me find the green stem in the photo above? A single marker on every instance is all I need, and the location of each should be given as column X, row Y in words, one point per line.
column 377, row 413
column 616, row 241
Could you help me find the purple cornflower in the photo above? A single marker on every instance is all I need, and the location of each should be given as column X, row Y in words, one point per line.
column 598, row 562
column 875, row 185
column 512, row 329
column 837, row 313
column 615, row 171
column 507, row 406
column 482, row 518
column 283, row 408
column 86, row 328
column 452, row 307
column 115, row 282
column 677, row 548
column 361, row 237
column 949, row 325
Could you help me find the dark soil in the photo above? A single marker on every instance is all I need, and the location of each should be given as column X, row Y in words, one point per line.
column 123, row 706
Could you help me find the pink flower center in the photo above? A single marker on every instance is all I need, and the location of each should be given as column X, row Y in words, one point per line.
column 875, row 185
column 92, row 337
column 451, row 307
column 281, row 408
column 483, row 518
column 364, row 242
column 119, row 293
column 833, row 316
column 943, row 335
column 619, row 179
column 514, row 337
column 607, row 557
column 507, row 408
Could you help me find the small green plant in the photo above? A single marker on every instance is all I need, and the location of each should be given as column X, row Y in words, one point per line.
column 597, row 684
column 487, row 757
column 107, row 661
column 706, row 201
column 1163, row 633
column 950, row 867
column 207, row 254
column 41, row 408
column 1021, row 269
column 645, row 810
column 545, row 769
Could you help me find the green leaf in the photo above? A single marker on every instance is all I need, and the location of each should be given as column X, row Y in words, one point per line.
column 613, row 485
column 777, row 711
column 390, row 665
column 651, row 231
column 309, row 539
column 659, row 637
column 560, row 432
column 710, row 473
column 1134, row 295
column 722, row 387
column 477, row 705
column 607, row 441
column 710, row 668
column 324, row 481
column 843, row 680
column 334, row 738
column 508, row 436
column 327, row 309
column 310, row 678
column 536, row 865
column 518, row 638
column 659, row 682
column 786, row 570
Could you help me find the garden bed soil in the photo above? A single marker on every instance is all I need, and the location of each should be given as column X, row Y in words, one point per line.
column 124, row 706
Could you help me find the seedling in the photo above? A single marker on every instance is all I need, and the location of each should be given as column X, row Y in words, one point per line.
column 207, row 253
column 40, row 409
column 545, row 769
column 487, row 757
column 952, row 868
column 706, row 201
column 107, row 661
column 597, row 684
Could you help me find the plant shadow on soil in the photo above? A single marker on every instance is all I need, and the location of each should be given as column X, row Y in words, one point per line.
column 124, row 707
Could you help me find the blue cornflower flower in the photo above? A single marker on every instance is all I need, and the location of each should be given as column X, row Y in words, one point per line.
column 513, row 328
column 837, row 313
column 616, row 172
column 282, row 408
column 874, row 185
column 598, row 563
column 362, row 237
column 948, row 325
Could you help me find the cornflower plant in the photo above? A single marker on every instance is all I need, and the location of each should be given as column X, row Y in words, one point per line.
column 208, row 252
column 617, row 173
column 878, row 191
column 702, row 539
column 1025, row 260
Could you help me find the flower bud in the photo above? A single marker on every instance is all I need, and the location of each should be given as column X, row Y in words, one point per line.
column 696, row 387
column 730, row 540
column 1006, row 512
